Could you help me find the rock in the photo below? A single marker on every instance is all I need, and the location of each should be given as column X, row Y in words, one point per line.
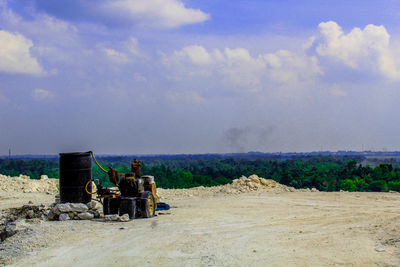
column 7, row 231
column 78, row 207
column 111, row 217
column 124, row 218
column 44, row 177
column 71, row 207
column 85, row 216
column 63, row 217
column 379, row 249
column 62, row 207
column 30, row 214
column 95, row 213
column 26, row 177
column 254, row 178
column 94, row 205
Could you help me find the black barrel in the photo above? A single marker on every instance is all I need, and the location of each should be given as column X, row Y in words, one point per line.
column 75, row 172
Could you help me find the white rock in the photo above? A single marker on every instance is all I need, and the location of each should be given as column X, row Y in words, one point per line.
column 263, row 181
column 62, row 207
column 78, row 207
column 26, row 177
column 44, row 177
column 63, row 217
column 51, row 215
column 254, row 178
column 85, row 216
column 124, row 218
column 111, row 217
column 94, row 205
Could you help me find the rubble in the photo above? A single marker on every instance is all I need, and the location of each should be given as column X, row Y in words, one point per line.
column 27, row 185
column 124, row 218
column 85, row 216
column 71, row 207
column 111, row 217
column 63, row 217
column 8, row 231
column 244, row 184
column 74, row 211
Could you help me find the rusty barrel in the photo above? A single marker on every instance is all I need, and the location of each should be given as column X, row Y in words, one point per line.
column 75, row 172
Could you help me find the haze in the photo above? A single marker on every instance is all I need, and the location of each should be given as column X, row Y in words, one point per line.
column 184, row 76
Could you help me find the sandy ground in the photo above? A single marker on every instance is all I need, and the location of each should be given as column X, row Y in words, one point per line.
column 251, row 229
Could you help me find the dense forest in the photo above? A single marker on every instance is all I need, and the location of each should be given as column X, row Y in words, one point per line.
column 326, row 173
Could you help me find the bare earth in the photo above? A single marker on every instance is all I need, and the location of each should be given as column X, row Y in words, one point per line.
column 250, row 229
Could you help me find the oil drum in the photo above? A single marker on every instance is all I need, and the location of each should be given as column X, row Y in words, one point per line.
column 75, row 172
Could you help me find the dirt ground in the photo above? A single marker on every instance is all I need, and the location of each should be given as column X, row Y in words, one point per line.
column 250, row 229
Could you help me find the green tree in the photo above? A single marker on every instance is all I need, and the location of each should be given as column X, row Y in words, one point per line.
column 348, row 185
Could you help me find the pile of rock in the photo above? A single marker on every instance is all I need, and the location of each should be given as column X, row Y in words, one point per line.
column 254, row 183
column 116, row 217
column 238, row 186
column 10, row 217
column 24, row 183
column 24, row 212
column 75, row 211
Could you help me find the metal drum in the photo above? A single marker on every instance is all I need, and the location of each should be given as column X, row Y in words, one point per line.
column 75, row 172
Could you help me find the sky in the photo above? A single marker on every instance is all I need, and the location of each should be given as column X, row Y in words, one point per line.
column 210, row 76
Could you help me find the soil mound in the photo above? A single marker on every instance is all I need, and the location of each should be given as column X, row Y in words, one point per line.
column 238, row 186
column 24, row 184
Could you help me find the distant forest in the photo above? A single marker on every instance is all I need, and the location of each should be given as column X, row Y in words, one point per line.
column 326, row 173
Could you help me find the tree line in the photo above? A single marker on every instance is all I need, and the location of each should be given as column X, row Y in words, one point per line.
column 324, row 173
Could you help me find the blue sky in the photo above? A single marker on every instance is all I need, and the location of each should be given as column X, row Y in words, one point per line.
column 173, row 76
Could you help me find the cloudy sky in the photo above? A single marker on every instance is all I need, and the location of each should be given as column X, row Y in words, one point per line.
column 185, row 76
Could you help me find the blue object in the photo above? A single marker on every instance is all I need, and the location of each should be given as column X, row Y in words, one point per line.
column 162, row 206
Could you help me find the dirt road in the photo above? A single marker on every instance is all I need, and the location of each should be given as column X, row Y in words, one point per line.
column 252, row 229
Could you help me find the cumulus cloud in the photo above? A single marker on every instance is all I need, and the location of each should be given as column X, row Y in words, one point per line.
column 115, row 55
column 42, row 94
column 15, row 56
column 238, row 69
column 54, row 40
column 287, row 67
column 156, row 13
column 122, row 52
column 365, row 49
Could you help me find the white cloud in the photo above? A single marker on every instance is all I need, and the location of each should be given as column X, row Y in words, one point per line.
column 365, row 50
column 133, row 46
column 156, row 13
column 239, row 70
column 15, row 56
column 286, row 67
column 55, row 40
column 123, row 52
column 184, row 97
column 115, row 55
column 195, row 53
column 242, row 69
column 42, row 94
column 337, row 92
